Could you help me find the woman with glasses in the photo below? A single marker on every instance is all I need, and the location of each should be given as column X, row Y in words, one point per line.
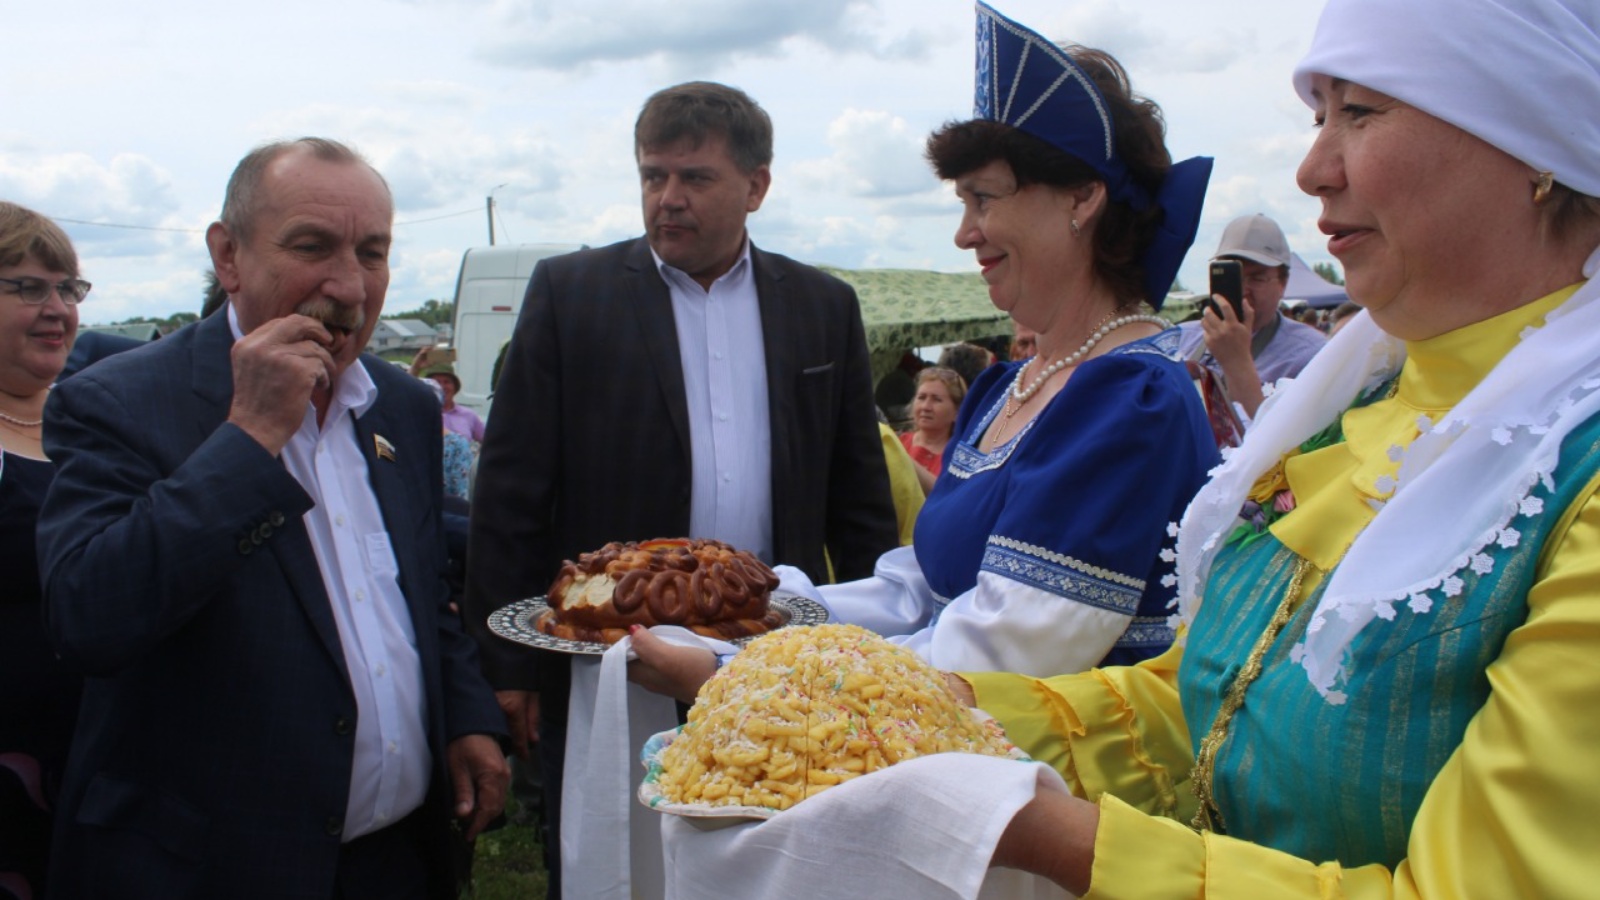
column 39, row 295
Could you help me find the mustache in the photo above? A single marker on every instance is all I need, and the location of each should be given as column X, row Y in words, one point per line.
column 348, row 319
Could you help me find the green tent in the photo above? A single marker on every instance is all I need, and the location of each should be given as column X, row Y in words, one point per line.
column 905, row 308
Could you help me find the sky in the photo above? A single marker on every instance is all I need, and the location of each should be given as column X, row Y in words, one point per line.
column 123, row 120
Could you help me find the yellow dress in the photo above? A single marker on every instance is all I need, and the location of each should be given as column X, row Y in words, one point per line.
column 903, row 484
column 1515, row 812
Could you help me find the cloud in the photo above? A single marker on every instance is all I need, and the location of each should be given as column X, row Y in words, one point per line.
column 875, row 155
column 686, row 36
column 130, row 191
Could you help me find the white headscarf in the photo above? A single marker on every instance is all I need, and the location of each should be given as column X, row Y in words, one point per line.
column 1524, row 75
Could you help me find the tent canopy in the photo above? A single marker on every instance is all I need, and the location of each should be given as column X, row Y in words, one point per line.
column 905, row 308
column 1305, row 284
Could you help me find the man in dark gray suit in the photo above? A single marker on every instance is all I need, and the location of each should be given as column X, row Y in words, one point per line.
column 683, row 384
column 242, row 550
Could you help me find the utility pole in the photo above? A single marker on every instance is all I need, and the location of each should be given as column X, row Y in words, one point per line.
column 489, row 203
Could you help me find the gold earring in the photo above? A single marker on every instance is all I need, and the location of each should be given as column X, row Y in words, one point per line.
column 1541, row 187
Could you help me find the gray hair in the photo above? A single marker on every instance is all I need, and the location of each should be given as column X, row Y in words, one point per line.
column 242, row 201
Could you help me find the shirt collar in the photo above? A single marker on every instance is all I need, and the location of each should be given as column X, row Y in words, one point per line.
column 738, row 271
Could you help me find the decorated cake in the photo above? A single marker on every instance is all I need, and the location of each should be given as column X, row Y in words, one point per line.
column 806, row 708
column 706, row 586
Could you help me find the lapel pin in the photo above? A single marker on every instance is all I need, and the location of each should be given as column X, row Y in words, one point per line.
column 384, row 448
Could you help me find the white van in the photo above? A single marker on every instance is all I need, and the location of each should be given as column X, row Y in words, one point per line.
column 489, row 294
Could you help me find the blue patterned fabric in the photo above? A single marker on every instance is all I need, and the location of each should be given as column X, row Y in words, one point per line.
column 1078, row 503
column 457, row 464
column 1415, row 683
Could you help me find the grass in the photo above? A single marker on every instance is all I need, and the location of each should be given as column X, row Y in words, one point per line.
column 509, row 863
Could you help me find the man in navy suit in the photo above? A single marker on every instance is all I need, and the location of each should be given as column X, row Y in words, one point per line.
column 243, row 552
column 681, row 384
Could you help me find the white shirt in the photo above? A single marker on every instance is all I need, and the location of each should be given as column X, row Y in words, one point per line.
column 390, row 775
column 724, row 363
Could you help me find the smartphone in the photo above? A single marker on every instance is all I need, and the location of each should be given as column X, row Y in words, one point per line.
column 1227, row 279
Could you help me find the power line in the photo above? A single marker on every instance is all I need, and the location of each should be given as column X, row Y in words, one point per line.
column 134, row 227
column 464, row 212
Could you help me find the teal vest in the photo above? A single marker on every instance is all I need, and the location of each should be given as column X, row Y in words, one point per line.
column 1343, row 783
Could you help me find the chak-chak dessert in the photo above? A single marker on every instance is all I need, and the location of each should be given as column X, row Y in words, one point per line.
column 705, row 586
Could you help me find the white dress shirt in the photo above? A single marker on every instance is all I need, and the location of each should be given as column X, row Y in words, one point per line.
column 390, row 775
column 724, row 364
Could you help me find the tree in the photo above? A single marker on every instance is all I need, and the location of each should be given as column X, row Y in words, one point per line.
column 433, row 312
column 1329, row 272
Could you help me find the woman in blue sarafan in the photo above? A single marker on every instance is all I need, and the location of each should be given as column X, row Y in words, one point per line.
column 1044, row 546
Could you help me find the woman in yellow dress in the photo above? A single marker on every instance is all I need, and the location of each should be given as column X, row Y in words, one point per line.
column 1392, row 660
column 1389, row 669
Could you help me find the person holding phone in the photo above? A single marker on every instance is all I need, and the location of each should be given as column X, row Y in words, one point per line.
column 1243, row 338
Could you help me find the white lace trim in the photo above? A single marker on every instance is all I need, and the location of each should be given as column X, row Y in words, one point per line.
column 1459, row 486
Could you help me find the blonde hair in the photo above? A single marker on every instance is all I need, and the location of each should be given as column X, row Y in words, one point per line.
column 953, row 382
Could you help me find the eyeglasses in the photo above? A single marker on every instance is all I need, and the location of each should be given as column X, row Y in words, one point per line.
column 35, row 291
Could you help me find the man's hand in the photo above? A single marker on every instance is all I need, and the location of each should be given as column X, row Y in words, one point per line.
column 1229, row 340
column 1227, row 337
column 521, row 709
column 275, row 370
column 671, row 669
column 479, row 777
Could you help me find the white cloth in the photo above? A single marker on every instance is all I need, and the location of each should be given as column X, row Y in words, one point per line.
column 390, row 774
column 610, row 843
column 1460, row 483
column 722, row 351
column 922, row 829
column 1001, row 625
column 1523, row 75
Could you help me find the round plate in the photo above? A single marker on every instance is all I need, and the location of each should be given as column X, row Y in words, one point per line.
column 514, row 622
column 703, row 816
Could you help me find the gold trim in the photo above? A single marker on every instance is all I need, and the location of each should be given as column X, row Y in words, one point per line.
column 1208, row 817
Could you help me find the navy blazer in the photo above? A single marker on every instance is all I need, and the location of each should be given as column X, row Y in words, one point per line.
column 214, row 748
column 588, row 439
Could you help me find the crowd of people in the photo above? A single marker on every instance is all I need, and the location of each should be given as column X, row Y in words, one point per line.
column 246, row 642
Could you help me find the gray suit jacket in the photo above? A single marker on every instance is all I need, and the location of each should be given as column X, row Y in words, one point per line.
column 588, row 439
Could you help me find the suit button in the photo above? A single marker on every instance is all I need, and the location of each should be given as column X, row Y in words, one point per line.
column 335, row 825
column 245, row 547
column 255, row 537
column 275, row 518
column 265, row 531
column 341, row 726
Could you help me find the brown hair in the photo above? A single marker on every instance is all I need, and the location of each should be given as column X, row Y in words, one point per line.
column 25, row 233
column 698, row 110
column 1122, row 235
column 242, row 201
column 1568, row 215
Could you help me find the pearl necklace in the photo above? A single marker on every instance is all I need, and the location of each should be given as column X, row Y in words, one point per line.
column 1024, row 394
column 22, row 422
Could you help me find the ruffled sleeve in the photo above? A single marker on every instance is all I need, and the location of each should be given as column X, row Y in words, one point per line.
column 1511, row 814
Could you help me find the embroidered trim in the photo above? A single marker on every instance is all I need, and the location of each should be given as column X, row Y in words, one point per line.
column 1067, row 561
column 1147, row 631
column 1063, row 576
